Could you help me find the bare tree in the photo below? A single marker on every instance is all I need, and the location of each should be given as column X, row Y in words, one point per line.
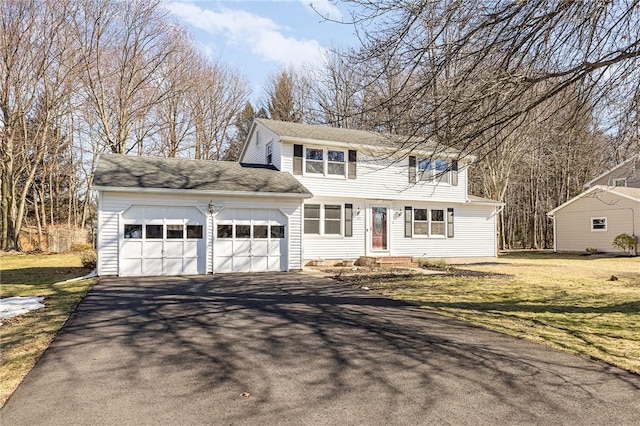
column 38, row 63
column 124, row 46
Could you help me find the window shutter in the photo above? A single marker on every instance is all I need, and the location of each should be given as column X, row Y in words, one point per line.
column 353, row 160
column 297, row 159
column 450, row 222
column 348, row 220
column 454, row 172
column 408, row 218
column 412, row 169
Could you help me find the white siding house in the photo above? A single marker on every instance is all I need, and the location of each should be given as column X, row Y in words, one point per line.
column 299, row 193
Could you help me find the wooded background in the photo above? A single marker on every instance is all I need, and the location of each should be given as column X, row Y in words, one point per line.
column 545, row 94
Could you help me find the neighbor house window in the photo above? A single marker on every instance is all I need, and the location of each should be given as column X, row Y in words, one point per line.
column 133, row 231
column 598, row 223
column 312, row 218
column 620, row 182
column 269, row 154
column 335, row 162
column 332, row 219
column 437, row 222
column 314, row 159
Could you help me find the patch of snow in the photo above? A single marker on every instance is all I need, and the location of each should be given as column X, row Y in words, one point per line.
column 13, row 306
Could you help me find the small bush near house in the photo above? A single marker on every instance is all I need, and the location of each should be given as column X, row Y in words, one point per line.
column 591, row 250
column 88, row 259
column 624, row 242
column 424, row 262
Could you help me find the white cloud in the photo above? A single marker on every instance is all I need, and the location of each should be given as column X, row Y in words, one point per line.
column 260, row 35
column 324, row 8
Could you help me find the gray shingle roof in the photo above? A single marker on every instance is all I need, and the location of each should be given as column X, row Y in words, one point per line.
column 351, row 136
column 122, row 171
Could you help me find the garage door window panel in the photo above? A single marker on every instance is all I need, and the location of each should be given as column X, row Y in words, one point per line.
column 224, row 231
column 260, row 231
column 133, row 231
column 154, row 232
column 277, row 231
column 194, row 231
column 243, row 231
column 175, row 232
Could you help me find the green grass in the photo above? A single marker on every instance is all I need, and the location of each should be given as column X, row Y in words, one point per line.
column 564, row 301
column 25, row 338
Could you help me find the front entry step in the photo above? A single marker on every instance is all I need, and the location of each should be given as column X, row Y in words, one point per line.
column 387, row 261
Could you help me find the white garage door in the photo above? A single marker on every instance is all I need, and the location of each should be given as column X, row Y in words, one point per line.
column 250, row 240
column 162, row 240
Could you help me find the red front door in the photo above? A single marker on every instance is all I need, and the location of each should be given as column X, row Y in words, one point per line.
column 379, row 228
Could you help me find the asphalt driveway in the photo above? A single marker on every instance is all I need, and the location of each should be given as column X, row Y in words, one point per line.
column 297, row 349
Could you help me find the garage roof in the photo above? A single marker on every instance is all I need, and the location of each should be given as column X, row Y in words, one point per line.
column 123, row 171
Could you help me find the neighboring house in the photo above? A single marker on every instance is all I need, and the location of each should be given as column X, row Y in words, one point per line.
column 610, row 206
column 300, row 193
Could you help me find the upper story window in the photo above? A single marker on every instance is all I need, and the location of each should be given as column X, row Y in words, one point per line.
column 429, row 169
column 620, row 182
column 314, row 160
column 269, row 153
column 335, row 162
column 325, row 161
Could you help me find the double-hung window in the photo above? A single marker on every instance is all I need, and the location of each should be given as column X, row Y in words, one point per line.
column 428, row 169
column 428, row 222
column 425, row 167
column 335, row 162
column 269, row 153
column 598, row 223
column 332, row 219
column 328, row 162
column 314, row 159
column 325, row 219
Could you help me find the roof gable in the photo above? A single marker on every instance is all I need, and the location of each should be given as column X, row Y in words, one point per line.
column 122, row 171
column 630, row 193
column 623, row 164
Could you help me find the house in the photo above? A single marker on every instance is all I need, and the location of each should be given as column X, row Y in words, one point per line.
column 299, row 194
column 609, row 206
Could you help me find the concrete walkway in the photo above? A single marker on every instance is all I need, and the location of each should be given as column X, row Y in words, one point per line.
column 302, row 350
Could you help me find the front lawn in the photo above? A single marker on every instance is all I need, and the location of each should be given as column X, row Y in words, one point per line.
column 23, row 339
column 565, row 301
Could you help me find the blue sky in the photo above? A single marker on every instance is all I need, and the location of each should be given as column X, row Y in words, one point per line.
column 260, row 37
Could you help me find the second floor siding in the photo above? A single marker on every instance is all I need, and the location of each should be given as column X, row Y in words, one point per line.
column 376, row 177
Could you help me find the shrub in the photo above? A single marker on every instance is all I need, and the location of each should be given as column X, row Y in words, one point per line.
column 88, row 259
column 424, row 262
column 591, row 250
column 624, row 242
column 81, row 247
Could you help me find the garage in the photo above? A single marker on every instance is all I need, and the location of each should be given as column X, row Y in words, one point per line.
column 162, row 240
column 176, row 216
column 250, row 240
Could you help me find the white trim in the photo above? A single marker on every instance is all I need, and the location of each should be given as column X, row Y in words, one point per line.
column 200, row 192
column 368, row 217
